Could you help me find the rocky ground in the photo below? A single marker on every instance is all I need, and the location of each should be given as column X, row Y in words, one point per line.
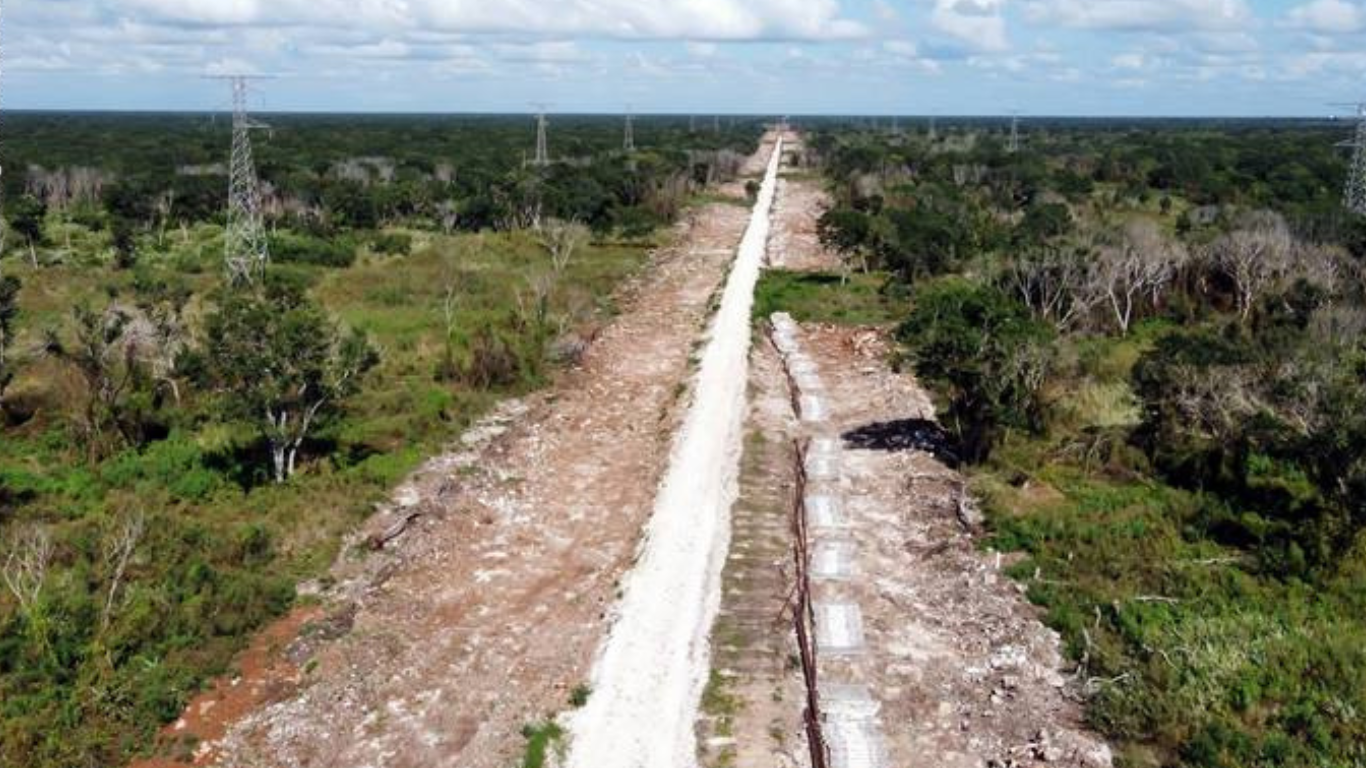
column 928, row 653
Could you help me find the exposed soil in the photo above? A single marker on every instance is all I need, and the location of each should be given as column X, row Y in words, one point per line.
column 796, row 242
column 958, row 661
column 485, row 613
column 264, row 673
column 957, row 665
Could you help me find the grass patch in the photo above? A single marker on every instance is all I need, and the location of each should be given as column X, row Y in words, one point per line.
column 1192, row 655
column 823, row 297
column 579, row 696
column 540, row 740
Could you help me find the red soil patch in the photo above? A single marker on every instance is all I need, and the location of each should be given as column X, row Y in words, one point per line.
column 266, row 674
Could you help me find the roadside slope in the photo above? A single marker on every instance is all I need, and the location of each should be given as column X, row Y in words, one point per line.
column 484, row 616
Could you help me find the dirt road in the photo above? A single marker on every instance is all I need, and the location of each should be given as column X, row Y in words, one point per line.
column 486, row 616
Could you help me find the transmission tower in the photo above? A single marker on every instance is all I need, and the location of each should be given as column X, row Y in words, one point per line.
column 933, row 135
column 1014, row 145
column 245, row 251
column 692, row 123
column 1354, row 192
column 629, row 142
column 542, row 145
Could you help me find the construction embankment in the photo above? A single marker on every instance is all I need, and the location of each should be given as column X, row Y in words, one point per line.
column 649, row 676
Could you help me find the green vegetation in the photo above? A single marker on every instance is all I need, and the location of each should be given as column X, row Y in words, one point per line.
column 1147, row 341
column 579, row 696
column 540, row 740
column 859, row 299
column 176, row 453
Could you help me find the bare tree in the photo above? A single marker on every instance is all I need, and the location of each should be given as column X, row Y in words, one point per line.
column 561, row 239
column 26, row 564
column 1257, row 256
column 1140, row 262
column 1054, row 282
column 1330, row 267
column 118, row 550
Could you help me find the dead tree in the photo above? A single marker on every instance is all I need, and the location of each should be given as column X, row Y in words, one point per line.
column 1257, row 256
column 1141, row 262
column 1053, row 281
column 26, row 565
column 561, row 239
column 118, row 550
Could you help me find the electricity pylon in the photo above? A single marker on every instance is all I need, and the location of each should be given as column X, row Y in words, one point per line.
column 629, row 141
column 933, row 135
column 1354, row 191
column 542, row 144
column 245, row 251
column 1014, row 145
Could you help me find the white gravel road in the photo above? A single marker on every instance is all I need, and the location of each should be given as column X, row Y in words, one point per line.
column 648, row 679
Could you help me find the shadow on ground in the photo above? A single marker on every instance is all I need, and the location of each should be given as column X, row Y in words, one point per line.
column 905, row 435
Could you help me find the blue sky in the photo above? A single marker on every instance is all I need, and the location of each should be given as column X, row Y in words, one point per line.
column 1102, row 57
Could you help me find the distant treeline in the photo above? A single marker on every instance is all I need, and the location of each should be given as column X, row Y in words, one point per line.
column 324, row 173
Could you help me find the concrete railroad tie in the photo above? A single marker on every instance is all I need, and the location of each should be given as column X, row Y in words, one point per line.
column 852, row 730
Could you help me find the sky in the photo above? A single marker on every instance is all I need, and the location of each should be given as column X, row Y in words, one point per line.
column 876, row 57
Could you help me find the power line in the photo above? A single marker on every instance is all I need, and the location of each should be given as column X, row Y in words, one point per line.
column 245, row 250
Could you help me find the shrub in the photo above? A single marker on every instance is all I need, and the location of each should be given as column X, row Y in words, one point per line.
column 988, row 353
column 308, row 249
column 392, row 243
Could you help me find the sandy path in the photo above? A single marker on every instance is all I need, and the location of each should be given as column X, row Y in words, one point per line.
column 486, row 615
column 649, row 679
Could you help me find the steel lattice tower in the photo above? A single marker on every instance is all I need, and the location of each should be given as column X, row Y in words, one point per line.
column 1014, row 145
column 628, row 142
column 542, row 140
column 245, row 248
column 933, row 134
column 1354, row 191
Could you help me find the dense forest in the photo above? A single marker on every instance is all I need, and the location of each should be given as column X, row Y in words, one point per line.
column 178, row 450
column 1146, row 341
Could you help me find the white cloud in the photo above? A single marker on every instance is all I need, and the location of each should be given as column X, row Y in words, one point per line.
column 977, row 24
column 1142, row 15
column 702, row 50
column 1329, row 17
column 623, row 19
column 1131, row 61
